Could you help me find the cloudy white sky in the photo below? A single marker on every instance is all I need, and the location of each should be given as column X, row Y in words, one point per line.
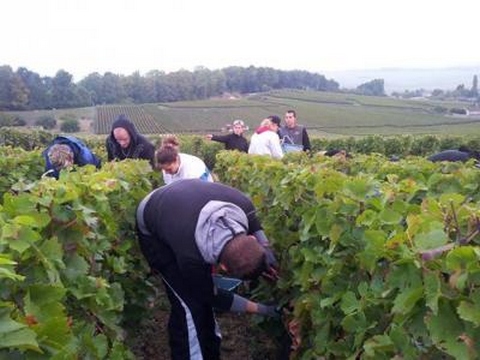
column 123, row 36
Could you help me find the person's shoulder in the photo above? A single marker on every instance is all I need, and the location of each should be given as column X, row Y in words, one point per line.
column 189, row 157
column 272, row 135
column 143, row 139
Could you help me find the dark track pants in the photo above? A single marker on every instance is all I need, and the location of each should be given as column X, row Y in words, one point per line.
column 193, row 330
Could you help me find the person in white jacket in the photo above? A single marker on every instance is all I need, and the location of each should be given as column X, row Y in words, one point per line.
column 265, row 140
column 177, row 166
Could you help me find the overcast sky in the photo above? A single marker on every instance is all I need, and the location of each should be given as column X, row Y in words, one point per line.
column 124, row 36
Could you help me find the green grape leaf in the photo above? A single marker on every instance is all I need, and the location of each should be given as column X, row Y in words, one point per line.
column 430, row 240
column 469, row 312
column 445, row 331
column 16, row 335
column 378, row 344
column 389, row 216
column 406, row 300
column 463, row 258
column 433, row 291
column 349, row 303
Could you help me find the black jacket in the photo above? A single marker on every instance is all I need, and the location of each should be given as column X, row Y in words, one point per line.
column 139, row 147
column 232, row 142
column 451, row 155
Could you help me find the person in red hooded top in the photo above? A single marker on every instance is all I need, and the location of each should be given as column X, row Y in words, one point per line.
column 265, row 140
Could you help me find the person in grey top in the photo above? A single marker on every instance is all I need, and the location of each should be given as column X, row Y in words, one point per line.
column 294, row 137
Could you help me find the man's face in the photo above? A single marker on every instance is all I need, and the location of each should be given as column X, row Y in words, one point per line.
column 290, row 120
column 122, row 137
column 238, row 129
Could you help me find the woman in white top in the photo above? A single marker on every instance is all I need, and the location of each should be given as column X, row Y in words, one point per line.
column 177, row 166
column 265, row 140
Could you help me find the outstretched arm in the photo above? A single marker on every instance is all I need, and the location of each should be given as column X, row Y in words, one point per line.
column 228, row 301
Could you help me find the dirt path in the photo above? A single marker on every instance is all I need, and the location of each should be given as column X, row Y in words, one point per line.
column 240, row 341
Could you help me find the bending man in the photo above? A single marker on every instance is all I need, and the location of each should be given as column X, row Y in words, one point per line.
column 186, row 227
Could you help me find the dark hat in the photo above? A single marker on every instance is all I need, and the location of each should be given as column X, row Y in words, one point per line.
column 275, row 119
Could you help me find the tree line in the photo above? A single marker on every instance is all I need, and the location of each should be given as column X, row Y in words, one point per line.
column 24, row 89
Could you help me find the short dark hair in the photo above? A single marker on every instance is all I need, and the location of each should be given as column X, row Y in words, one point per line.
column 244, row 257
column 292, row 112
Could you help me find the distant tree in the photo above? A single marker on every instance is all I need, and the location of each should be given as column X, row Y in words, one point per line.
column 63, row 90
column 461, row 91
column 133, row 85
column 93, row 83
column 37, row 89
column 13, row 92
column 474, row 86
column 70, row 126
column 25, row 89
column 374, row 87
column 113, row 91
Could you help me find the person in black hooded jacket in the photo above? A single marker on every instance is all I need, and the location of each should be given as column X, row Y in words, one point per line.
column 463, row 154
column 124, row 142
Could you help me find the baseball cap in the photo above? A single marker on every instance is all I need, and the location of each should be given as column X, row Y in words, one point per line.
column 275, row 119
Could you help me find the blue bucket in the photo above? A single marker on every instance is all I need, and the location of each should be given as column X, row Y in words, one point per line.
column 226, row 283
column 287, row 148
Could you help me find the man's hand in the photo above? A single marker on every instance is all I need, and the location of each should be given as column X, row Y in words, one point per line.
column 271, row 274
column 272, row 271
column 270, row 257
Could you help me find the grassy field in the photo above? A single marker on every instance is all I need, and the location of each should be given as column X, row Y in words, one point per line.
column 325, row 114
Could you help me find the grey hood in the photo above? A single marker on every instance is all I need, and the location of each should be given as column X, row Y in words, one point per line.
column 217, row 224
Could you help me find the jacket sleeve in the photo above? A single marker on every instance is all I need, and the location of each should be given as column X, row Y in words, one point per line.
column 275, row 147
column 247, row 206
column 109, row 146
column 306, row 140
column 148, row 152
column 220, row 138
column 246, row 145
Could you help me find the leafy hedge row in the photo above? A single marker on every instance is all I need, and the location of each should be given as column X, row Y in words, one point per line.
column 71, row 274
column 380, row 259
column 397, row 145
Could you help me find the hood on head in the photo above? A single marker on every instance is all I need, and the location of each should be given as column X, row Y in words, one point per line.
column 262, row 129
column 217, row 224
column 123, row 122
